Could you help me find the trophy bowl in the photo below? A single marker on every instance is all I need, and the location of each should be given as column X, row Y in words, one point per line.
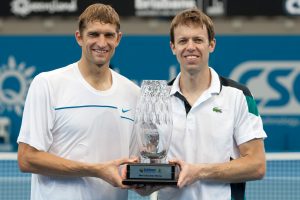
column 153, row 129
column 153, row 123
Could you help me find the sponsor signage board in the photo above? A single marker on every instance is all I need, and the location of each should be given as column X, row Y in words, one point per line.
column 150, row 8
column 268, row 65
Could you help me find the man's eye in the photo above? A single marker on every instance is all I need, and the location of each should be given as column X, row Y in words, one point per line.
column 198, row 40
column 93, row 34
column 181, row 41
column 109, row 35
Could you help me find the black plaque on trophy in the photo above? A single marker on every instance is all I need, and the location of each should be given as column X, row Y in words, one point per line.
column 150, row 174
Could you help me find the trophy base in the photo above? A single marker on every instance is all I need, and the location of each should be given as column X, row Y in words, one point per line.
column 150, row 174
column 148, row 182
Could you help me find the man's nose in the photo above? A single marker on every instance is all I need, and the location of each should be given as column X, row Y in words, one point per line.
column 191, row 45
column 102, row 41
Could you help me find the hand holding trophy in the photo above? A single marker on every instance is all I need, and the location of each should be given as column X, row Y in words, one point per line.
column 153, row 128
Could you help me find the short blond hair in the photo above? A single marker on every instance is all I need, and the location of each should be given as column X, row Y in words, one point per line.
column 193, row 16
column 98, row 12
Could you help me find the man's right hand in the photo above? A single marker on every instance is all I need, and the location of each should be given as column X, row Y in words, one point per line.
column 110, row 171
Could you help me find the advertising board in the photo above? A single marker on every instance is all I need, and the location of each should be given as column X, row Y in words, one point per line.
column 268, row 65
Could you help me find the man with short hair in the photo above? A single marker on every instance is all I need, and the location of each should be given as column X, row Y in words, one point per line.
column 77, row 121
column 217, row 138
column 218, row 134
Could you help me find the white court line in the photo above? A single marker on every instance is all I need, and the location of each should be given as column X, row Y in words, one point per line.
column 283, row 156
column 285, row 178
column 8, row 156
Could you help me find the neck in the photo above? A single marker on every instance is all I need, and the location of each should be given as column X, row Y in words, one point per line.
column 193, row 85
column 99, row 77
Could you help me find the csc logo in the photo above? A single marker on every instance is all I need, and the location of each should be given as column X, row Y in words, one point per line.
column 292, row 7
column 274, row 84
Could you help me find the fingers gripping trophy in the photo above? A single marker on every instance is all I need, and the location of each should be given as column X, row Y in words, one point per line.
column 153, row 128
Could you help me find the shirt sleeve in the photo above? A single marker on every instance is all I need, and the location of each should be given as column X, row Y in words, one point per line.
column 38, row 115
column 248, row 124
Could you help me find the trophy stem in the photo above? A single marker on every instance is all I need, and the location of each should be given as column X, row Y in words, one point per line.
column 157, row 161
column 154, row 160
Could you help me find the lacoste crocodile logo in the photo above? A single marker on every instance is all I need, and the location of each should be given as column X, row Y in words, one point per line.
column 217, row 110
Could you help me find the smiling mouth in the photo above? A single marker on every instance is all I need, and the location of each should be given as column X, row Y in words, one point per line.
column 100, row 51
column 191, row 57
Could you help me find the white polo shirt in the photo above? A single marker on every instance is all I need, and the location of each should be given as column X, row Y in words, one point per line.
column 222, row 118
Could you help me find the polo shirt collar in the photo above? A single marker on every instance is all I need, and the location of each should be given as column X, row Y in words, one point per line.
column 214, row 89
column 215, row 85
column 175, row 86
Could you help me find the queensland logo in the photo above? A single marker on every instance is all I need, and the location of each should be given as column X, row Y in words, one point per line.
column 274, row 84
column 26, row 7
column 14, row 83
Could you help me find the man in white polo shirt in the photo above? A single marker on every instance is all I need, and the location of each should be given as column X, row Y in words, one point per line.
column 217, row 138
column 78, row 120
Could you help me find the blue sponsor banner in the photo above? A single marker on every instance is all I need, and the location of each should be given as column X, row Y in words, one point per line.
column 268, row 65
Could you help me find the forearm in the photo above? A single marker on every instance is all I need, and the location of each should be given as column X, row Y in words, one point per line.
column 239, row 170
column 250, row 166
column 33, row 161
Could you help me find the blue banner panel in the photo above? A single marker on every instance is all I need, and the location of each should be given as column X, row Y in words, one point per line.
column 268, row 65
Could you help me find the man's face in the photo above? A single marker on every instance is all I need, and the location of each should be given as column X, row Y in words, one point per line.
column 192, row 47
column 98, row 42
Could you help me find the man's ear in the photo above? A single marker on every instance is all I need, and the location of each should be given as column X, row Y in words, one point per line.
column 119, row 37
column 78, row 37
column 212, row 45
column 172, row 46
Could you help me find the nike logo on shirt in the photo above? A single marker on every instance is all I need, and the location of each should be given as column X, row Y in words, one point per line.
column 125, row 110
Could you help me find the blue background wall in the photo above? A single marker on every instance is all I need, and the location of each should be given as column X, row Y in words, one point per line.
column 268, row 65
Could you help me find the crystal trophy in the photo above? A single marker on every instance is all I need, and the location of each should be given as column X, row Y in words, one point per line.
column 153, row 130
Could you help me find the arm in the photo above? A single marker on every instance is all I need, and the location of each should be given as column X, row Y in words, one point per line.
column 39, row 162
column 250, row 166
